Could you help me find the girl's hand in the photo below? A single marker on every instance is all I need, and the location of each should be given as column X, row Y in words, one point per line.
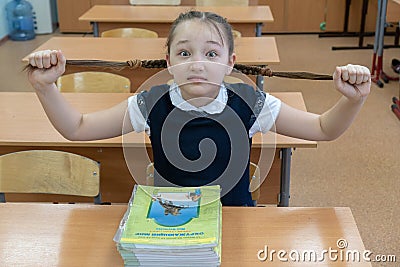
column 48, row 65
column 353, row 81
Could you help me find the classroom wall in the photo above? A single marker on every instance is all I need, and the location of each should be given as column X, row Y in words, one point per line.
column 3, row 19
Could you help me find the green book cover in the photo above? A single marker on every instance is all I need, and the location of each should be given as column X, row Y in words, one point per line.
column 173, row 217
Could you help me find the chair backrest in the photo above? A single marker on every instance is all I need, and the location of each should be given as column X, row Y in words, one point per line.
column 232, row 79
column 155, row 2
column 236, row 34
column 255, row 180
column 130, row 33
column 49, row 172
column 93, row 82
column 222, row 2
column 150, row 174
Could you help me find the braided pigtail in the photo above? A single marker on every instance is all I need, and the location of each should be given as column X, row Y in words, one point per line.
column 162, row 63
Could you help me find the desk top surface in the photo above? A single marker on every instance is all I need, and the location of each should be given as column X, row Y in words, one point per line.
column 167, row 14
column 29, row 114
column 35, row 234
column 249, row 50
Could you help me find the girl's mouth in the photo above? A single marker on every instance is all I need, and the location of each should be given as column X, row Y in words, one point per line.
column 196, row 79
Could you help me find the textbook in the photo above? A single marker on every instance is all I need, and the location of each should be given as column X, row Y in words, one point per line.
column 171, row 226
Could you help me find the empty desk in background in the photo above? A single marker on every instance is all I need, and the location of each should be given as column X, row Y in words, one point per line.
column 34, row 234
column 249, row 51
column 246, row 19
column 24, row 125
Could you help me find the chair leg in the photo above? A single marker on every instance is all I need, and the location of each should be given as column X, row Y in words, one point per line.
column 396, row 107
column 97, row 199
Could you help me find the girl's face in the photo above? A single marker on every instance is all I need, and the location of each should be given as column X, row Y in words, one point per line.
column 199, row 59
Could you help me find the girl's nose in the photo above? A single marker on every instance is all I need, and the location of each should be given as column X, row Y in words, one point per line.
column 197, row 65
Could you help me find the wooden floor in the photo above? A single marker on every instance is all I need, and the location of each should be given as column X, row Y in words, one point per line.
column 361, row 169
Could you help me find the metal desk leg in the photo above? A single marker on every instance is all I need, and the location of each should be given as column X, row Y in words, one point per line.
column 260, row 79
column 363, row 20
column 258, row 29
column 285, row 177
column 361, row 34
column 260, row 82
column 95, row 26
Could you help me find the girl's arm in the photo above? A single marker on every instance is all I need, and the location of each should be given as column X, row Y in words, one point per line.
column 354, row 82
column 49, row 66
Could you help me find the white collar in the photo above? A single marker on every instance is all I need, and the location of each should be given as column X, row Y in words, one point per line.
column 216, row 106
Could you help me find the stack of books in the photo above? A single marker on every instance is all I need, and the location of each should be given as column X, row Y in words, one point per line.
column 171, row 226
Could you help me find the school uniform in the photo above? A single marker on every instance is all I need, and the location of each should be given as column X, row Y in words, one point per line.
column 194, row 146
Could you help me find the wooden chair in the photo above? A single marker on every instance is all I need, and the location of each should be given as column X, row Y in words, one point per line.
column 255, row 179
column 255, row 182
column 49, row 172
column 236, row 34
column 232, row 79
column 130, row 33
column 93, row 82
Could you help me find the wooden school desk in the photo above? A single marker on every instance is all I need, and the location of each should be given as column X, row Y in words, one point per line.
column 24, row 125
column 246, row 19
column 249, row 50
column 82, row 235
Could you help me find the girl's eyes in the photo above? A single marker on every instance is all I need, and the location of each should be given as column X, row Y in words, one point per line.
column 211, row 54
column 184, row 53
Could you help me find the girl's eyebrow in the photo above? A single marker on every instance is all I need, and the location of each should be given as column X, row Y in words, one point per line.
column 214, row 42
column 181, row 42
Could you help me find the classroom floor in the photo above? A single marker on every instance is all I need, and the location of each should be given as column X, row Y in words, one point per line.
column 360, row 169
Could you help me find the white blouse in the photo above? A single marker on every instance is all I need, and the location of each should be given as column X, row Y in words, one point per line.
column 263, row 123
